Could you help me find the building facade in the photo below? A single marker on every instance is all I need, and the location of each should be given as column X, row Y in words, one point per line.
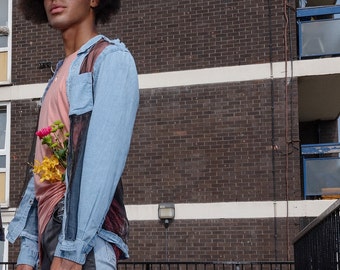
column 227, row 100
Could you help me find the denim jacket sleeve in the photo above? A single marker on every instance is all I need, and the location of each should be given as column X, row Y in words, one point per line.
column 25, row 226
column 116, row 98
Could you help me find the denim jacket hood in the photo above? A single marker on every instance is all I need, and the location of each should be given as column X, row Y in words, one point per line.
column 108, row 98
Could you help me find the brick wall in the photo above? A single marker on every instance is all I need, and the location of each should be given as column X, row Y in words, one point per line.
column 23, row 125
column 207, row 143
column 169, row 35
column 209, row 240
column 212, row 240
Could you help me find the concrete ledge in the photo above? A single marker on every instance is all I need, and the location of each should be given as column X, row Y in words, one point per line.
column 234, row 210
column 227, row 74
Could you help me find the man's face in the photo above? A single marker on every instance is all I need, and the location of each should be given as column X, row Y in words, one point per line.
column 65, row 14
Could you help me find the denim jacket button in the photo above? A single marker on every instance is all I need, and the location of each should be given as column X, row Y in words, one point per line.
column 31, row 201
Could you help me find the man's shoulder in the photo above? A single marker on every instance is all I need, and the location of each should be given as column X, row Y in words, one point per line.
column 117, row 45
column 115, row 48
column 97, row 51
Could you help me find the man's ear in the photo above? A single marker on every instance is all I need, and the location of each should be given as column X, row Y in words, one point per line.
column 94, row 3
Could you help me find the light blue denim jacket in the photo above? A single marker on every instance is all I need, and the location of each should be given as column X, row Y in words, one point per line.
column 114, row 103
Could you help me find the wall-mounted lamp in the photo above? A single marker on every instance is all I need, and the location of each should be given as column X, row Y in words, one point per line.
column 166, row 213
column 46, row 64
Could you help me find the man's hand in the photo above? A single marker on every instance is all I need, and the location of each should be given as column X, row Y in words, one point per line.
column 63, row 264
column 24, row 267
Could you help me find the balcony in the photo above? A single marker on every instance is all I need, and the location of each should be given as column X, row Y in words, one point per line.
column 318, row 31
column 317, row 246
column 321, row 170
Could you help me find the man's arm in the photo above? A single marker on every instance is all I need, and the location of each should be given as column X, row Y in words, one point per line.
column 24, row 267
column 63, row 264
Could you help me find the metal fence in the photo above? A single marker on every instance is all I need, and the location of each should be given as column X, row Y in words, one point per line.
column 7, row 265
column 317, row 246
column 191, row 266
column 206, row 266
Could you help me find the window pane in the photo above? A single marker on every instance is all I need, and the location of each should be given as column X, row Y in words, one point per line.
column 3, row 162
column 2, row 187
column 322, row 174
column 318, row 37
column 3, row 41
column 2, row 245
column 3, row 13
column 3, row 66
column 3, row 119
column 3, row 22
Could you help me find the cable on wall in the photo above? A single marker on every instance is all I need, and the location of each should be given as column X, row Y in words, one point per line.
column 289, row 124
column 287, row 139
column 272, row 125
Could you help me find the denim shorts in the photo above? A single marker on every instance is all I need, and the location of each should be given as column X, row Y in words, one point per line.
column 102, row 256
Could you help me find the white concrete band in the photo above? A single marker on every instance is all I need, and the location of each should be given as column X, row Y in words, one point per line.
column 300, row 68
column 222, row 210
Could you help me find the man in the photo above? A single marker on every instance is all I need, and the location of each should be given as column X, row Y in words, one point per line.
column 78, row 221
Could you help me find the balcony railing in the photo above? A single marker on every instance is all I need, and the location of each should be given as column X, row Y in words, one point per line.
column 318, row 31
column 192, row 266
column 321, row 170
column 317, row 246
column 7, row 265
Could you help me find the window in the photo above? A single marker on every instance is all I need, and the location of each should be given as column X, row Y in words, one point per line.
column 5, row 40
column 4, row 153
column 4, row 251
column 313, row 3
column 322, row 177
column 316, row 28
column 321, row 169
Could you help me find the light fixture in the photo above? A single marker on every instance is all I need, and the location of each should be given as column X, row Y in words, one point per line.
column 46, row 64
column 166, row 213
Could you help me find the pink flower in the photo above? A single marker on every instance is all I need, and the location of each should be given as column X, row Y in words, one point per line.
column 43, row 132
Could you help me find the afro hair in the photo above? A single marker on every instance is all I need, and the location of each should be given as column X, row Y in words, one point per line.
column 33, row 10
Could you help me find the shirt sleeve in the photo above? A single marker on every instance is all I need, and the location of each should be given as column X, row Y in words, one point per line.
column 25, row 226
column 116, row 98
column 28, row 252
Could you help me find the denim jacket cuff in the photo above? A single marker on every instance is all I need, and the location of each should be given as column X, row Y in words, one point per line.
column 72, row 250
column 28, row 252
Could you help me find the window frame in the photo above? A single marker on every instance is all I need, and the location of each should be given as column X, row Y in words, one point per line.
column 6, row 151
column 309, row 152
column 8, row 49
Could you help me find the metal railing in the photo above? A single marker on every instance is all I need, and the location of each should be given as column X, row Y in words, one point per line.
column 122, row 265
column 317, row 246
column 206, row 265
column 7, row 265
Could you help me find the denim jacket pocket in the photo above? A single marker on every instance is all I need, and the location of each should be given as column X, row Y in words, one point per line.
column 81, row 95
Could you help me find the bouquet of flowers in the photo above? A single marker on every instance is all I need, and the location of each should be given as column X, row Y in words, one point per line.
column 52, row 168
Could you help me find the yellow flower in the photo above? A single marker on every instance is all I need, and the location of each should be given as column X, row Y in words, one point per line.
column 49, row 169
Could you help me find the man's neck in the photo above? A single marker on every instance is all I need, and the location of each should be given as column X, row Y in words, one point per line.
column 73, row 39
